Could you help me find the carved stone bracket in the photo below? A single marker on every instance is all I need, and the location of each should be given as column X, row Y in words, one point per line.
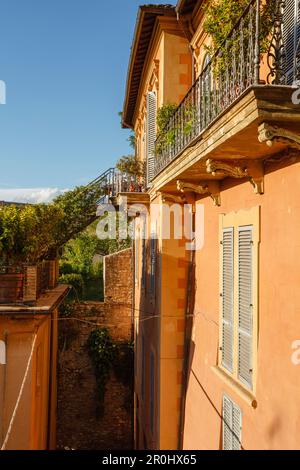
column 166, row 197
column 251, row 169
column 217, row 167
column 270, row 134
column 208, row 188
column 186, row 187
column 256, row 173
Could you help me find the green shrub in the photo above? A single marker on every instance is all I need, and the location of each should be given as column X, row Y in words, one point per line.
column 74, row 280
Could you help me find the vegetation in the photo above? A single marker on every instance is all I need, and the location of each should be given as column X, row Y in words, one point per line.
column 108, row 355
column 226, row 13
column 131, row 165
column 164, row 115
column 80, row 269
column 167, row 136
column 68, row 330
column 31, row 233
column 131, row 140
column 81, row 265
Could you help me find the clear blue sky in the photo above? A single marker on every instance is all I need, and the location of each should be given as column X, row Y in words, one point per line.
column 64, row 63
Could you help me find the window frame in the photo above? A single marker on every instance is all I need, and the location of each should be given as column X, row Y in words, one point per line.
column 237, row 220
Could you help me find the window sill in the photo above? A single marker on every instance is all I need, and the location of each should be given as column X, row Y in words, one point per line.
column 236, row 387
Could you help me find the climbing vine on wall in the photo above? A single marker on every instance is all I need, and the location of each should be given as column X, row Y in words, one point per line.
column 108, row 355
column 222, row 15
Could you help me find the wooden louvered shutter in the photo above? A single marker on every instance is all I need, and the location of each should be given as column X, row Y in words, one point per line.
column 232, row 425
column 227, row 298
column 151, row 135
column 245, row 306
column 291, row 37
column 236, row 427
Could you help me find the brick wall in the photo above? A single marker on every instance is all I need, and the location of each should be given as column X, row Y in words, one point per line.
column 80, row 425
column 118, row 277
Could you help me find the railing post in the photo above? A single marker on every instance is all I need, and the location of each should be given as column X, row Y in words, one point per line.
column 257, row 45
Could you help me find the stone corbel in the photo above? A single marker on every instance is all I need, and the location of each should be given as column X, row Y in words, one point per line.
column 208, row 188
column 269, row 134
column 166, row 197
column 251, row 169
column 232, row 169
column 256, row 175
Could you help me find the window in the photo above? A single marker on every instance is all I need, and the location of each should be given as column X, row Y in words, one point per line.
column 239, row 309
column 151, row 135
column 291, row 37
column 152, row 391
column 232, row 425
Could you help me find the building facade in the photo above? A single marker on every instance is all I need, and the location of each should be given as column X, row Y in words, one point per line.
column 216, row 327
column 28, row 365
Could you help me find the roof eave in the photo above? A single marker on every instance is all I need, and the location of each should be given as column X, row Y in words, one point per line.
column 158, row 10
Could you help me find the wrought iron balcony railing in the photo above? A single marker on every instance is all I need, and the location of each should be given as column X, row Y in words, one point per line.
column 233, row 69
column 113, row 182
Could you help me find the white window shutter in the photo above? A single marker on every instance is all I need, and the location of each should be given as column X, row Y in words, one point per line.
column 236, row 427
column 227, row 298
column 232, row 425
column 227, row 424
column 245, row 305
column 291, row 37
column 151, row 135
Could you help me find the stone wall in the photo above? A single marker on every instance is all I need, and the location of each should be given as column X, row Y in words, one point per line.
column 118, row 277
column 82, row 422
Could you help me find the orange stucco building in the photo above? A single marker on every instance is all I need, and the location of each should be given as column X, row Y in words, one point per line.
column 216, row 328
column 28, row 369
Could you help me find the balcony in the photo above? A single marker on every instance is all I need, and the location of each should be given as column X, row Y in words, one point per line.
column 242, row 93
column 116, row 187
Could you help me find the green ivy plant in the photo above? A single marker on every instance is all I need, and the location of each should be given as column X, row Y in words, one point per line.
column 108, row 355
column 166, row 137
column 227, row 13
column 131, row 165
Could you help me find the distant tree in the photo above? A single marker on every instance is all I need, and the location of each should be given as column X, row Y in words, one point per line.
column 131, row 165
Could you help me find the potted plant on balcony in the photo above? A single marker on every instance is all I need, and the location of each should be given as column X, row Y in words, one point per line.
column 131, row 172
